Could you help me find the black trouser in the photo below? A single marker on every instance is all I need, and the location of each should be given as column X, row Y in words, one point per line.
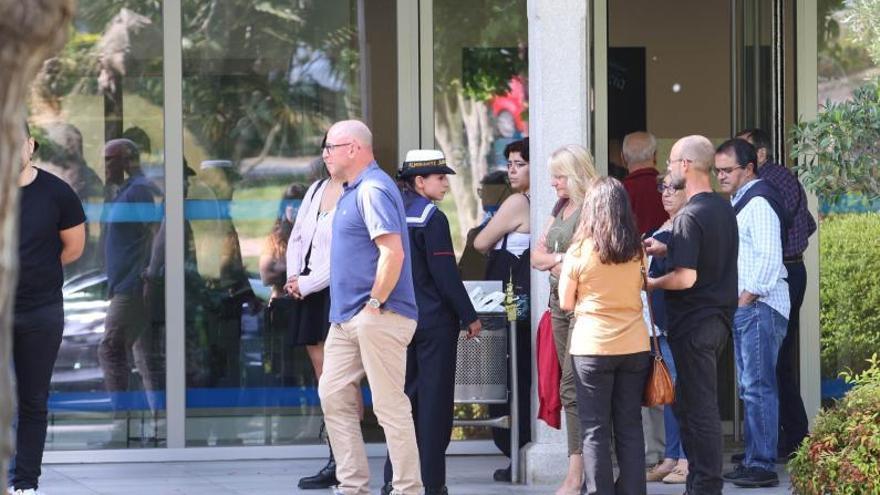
column 36, row 339
column 696, row 356
column 793, row 423
column 430, row 385
column 501, row 436
column 609, row 398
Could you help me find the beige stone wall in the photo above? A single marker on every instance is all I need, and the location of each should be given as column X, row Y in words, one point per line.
column 687, row 43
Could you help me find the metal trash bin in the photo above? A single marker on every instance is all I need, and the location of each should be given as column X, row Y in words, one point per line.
column 481, row 366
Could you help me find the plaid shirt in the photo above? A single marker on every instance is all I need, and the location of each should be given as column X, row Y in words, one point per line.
column 795, row 200
column 759, row 263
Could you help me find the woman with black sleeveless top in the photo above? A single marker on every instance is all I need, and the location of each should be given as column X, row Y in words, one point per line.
column 506, row 241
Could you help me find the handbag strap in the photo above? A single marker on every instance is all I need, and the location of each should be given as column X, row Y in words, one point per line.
column 305, row 269
column 655, row 342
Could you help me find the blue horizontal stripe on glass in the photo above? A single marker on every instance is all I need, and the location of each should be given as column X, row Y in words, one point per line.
column 194, row 209
column 196, row 398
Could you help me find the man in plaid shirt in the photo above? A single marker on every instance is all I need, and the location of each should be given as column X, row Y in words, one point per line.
column 793, row 423
column 761, row 318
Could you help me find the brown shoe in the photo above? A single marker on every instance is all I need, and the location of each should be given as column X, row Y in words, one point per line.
column 659, row 471
column 678, row 476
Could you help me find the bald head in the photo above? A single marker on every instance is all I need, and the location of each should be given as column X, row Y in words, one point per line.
column 121, row 148
column 639, row 149
column 354, row 129
column 120, row 156
column 697, row 150
column 350, row 149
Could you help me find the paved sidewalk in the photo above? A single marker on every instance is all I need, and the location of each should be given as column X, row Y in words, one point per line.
column 468, row 475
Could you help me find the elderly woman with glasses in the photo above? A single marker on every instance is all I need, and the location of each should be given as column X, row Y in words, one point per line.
column 674, row 466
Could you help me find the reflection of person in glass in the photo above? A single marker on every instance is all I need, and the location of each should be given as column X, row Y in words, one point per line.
column 273, row 259
column 154, row 286
column 444, row 308
column 129, row 225
column 226, row 280
column 506, row 241
column 52, row 234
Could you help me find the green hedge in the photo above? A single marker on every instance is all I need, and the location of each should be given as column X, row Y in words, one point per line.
column 850, row 290
column 842, row 455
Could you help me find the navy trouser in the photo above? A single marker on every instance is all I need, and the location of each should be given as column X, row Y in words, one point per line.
column 793, row 422
column 430, row 385
column 36, row 339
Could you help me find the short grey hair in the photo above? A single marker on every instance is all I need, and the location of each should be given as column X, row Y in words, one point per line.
column 639, row 147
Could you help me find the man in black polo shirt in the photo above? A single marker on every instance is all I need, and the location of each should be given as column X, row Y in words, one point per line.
column 51, row 234
column 701, row 297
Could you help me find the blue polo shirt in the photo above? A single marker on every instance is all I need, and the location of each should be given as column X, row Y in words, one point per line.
column 370, row 206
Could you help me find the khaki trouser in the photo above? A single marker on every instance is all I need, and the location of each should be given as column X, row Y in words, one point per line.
column 563, row 324
column 374, row 345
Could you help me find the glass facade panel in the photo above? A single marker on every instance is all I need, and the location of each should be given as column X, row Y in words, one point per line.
column 262, row 82
column 480, row 105
column 848, row 57
column 107, row 389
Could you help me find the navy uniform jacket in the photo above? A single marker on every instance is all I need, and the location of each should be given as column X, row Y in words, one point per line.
column 440, row 295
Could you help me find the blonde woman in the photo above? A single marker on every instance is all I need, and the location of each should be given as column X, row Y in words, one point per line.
column 571, row 170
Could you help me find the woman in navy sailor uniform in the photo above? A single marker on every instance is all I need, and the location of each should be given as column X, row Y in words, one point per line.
column 444, row 308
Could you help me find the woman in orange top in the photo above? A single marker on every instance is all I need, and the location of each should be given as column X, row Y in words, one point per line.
column 601, row 281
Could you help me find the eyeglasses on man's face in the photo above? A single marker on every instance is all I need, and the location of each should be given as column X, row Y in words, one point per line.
column 719, row 171
column 328, row 147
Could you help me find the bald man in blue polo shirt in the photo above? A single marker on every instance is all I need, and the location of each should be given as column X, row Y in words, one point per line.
column 373, row 314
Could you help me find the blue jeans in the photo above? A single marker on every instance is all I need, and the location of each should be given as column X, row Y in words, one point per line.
column 674, row 449
column 758, row 331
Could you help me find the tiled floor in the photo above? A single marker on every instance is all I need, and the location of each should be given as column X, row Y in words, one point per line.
column 468, row 475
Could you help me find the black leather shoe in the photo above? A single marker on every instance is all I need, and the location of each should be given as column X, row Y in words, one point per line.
column 436, row 491
column 386, row 489
column 738, row 472
column 757, row 478
column 325, row 478
column 502, row 474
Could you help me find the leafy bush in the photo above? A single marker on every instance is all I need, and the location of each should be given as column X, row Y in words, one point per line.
column 838, row 152
column 842, row 455
column 850, row 311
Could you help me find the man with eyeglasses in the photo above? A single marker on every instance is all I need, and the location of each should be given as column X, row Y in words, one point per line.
column 700, row 301
column 373, row 314
column 762, row 310
column 793, row 422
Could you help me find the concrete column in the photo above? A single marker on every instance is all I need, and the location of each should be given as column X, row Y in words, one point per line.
column 559, row 114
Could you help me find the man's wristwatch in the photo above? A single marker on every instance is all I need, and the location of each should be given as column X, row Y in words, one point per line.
column 374, row 303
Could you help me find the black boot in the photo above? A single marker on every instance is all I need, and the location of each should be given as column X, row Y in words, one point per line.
column 325, row 478
column 386, row 489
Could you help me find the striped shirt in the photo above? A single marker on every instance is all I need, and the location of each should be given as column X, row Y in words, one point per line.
column 759, row 264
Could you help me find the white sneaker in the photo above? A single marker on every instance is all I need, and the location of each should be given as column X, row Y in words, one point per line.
column 29, row 491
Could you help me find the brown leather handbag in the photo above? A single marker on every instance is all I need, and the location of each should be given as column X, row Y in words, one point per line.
column 659, row 388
